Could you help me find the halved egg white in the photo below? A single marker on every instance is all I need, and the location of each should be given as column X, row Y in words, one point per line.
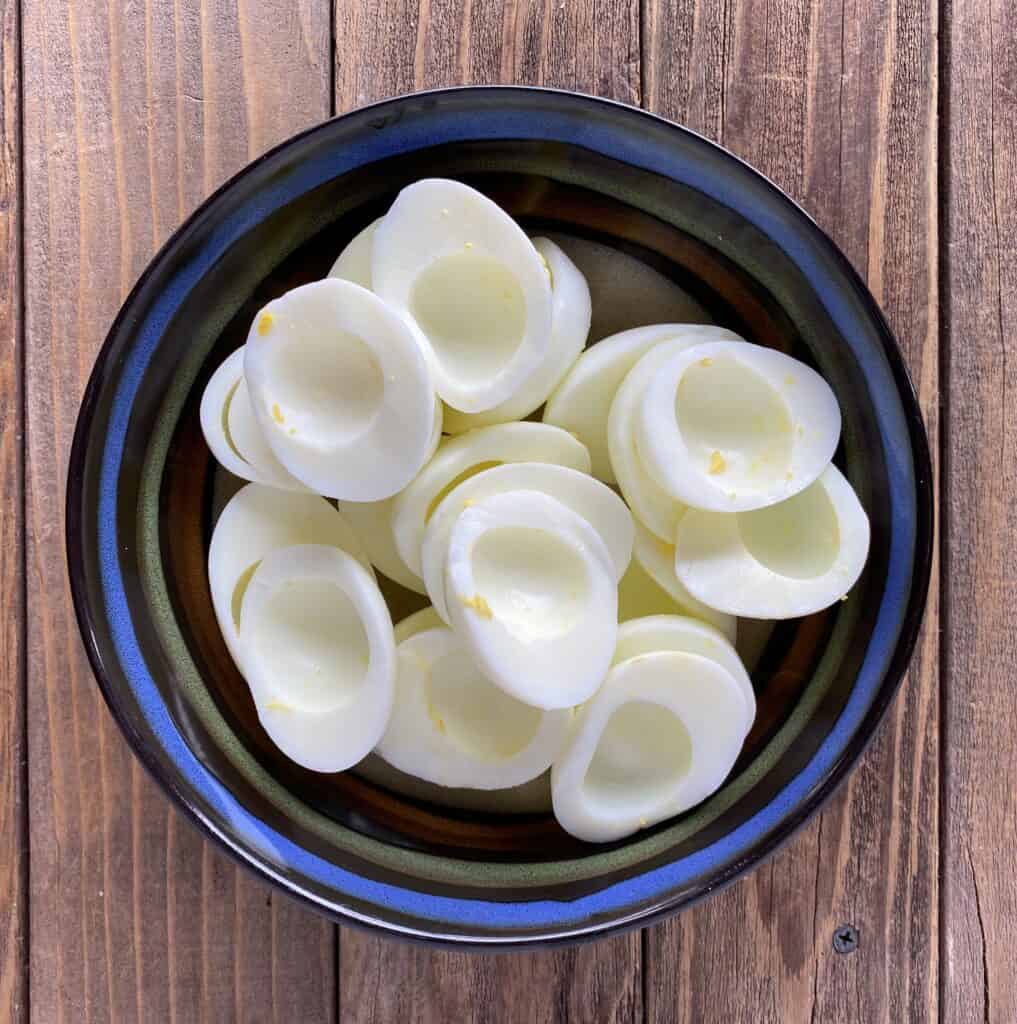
column 452, row 726
column 354, row 262
column 372, row 521
column 661, row 734
column 570, row 325
column 656, row 557
column 533, row 797
column 731, row 427
column 690, row 636
column 255, row 522
column 318, row 652
column 471, row 283
column 779, row 562
column 531, row 591
column 581, row 493
column 657, row 510
column 581, row 402
column 231, row 433
column 469, row 453
column 340, row 390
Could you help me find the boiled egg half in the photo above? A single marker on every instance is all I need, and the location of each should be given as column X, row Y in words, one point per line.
column 531, row 590
column 452, row 726
column 570, row 325
column 582, row 400
column 731, row 427
column 317, row 649
column 657, row 738
column 587, row 497
column 779, row 562
column 256, row 521
column 341, row 390
column 475, row 290
column 458, row 458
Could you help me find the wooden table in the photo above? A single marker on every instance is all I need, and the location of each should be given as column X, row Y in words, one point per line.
column 895, row 123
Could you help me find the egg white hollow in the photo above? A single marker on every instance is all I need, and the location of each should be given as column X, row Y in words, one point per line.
column 656, row 557
column 691, row 636
column 657, row 510
column 460, row 457
column 230, row 432
column 450, row 725
column 340, row 390
column 582, row 401
column 256, row 521
column 661, row 734
column 473, row 286
column 530, row 588
column 732, row 427
column 318, row 652
column 533, row 797
column 570, row 325
column 354, row 262
column 583, row 494
column 779, row 562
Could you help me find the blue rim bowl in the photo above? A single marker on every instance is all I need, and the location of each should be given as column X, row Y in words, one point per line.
column 141, row 493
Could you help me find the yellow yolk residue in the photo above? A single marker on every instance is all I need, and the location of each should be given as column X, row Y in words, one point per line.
column 277, row 413
column 717, row 464
column 479, row 605
column 265, row 323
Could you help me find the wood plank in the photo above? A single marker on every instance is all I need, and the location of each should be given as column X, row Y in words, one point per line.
column 980, row 481
column 132, row 114
column 13, row 770
column 383, row 49
column 837, row 103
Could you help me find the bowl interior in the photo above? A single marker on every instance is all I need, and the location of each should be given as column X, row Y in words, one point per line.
column 274, row 229
column 192, row 490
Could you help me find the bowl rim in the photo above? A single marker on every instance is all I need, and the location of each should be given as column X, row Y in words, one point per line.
column 161, row 768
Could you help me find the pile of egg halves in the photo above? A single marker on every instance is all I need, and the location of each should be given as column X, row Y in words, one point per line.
column 585, row 572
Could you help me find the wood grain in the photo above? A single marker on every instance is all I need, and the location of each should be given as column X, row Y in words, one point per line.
column 133, row 112
column 979, row 951
column 383, row 49
column 13, row 769
column 837, row 103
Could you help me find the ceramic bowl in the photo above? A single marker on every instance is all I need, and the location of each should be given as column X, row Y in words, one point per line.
column 142, row 491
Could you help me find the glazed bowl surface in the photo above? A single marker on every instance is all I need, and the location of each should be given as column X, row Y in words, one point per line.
column 143, row 492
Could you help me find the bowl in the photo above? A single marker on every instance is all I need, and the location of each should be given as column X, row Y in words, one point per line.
column 143, row 490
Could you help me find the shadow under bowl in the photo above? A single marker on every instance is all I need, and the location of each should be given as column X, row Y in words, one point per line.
column 142, row 487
